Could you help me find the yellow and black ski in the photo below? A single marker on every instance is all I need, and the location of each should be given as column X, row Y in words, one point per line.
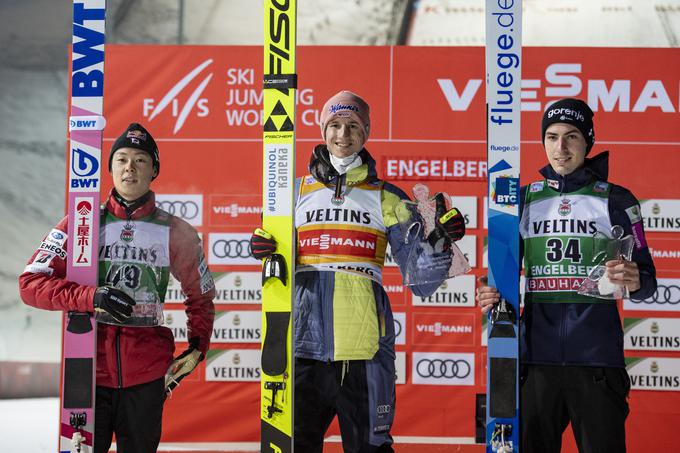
column 278, row 181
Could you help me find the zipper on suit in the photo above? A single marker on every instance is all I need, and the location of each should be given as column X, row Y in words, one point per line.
column 118, row 360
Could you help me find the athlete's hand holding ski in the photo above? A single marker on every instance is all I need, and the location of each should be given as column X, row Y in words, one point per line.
column 181, row 367
column 486, row 295
column 262, row 244
column 114, row 302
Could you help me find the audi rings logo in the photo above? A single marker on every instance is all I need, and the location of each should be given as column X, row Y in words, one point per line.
column 438, row 368
column 443, row 369
column 664, row 294
column 397, row 327
column 232, row 248
column 399, row 323
column 383, row 409
column 188, row 207
column 188, row 210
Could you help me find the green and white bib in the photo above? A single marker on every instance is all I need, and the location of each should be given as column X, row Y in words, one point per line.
column 557, row 230
column 134, row 256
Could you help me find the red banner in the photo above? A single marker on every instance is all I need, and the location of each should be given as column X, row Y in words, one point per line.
column 203, row 105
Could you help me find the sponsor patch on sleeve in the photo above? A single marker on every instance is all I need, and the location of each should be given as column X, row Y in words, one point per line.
column 56, row 238
column 634, row 214
column 635, row 217
column 41, row 263
column 207, row 282
column 600, row 186
column 536, row 186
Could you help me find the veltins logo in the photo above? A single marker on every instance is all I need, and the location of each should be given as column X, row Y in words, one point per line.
column 652, row 334
column 654, row 373
column 233, row 365
column 151, row 109
column 456, row 292
column 661, row 215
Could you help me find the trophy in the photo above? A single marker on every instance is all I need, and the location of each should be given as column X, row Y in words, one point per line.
column 431, row 255
column 606, row 248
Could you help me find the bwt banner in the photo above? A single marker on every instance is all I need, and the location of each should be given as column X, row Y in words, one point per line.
column 203, row 105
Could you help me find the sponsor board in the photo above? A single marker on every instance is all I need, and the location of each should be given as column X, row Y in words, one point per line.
column 434, row 168
column 486, row 212
column 229, row 327
column 390, row 261
column 468, row 207
column 468, row 245
column 399, row 327
column 661, row 215
column 230, row 248
column 400, row 364
column 665, row 252
column 440, row 368
column 230, row 288
column 233, row 365
column 485, row 253
column 654, row 373
column 454, row 292
column 392, row 283
column 651, row 334
column 484, row 340
column 188, row 207
column 235, row 210
column 443, row 329
column 665, row 298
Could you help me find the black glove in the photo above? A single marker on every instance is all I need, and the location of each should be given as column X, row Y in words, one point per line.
column 453, row 223
column 262, row 244
column 114, row 302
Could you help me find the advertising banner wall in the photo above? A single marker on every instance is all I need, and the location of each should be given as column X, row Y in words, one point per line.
column 203, row 105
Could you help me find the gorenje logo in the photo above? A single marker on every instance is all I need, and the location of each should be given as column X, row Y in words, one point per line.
column 171, row 99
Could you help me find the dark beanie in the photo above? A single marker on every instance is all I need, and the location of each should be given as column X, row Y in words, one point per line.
column 135, row 136
column 574, row 112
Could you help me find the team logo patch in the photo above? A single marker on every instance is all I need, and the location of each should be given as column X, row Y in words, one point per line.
column 634, row 214
column 565, row 207
column 536, row 186
column 600, row 186
column 128, row 233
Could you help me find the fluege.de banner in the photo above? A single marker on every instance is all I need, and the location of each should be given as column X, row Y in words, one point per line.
column 203, row 105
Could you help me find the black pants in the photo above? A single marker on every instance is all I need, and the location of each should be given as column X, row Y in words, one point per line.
column 593, row 399
column 324, row 389
column 134, row 414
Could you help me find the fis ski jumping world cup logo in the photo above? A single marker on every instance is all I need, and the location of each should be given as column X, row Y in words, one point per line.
column 506, row 191
column 151, row 109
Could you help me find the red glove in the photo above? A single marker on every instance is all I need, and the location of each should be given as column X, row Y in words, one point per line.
column 262, row 244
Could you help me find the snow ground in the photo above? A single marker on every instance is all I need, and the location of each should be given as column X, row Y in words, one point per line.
column 19, row 419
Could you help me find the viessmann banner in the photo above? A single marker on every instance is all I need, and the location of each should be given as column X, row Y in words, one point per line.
column 204, row 107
